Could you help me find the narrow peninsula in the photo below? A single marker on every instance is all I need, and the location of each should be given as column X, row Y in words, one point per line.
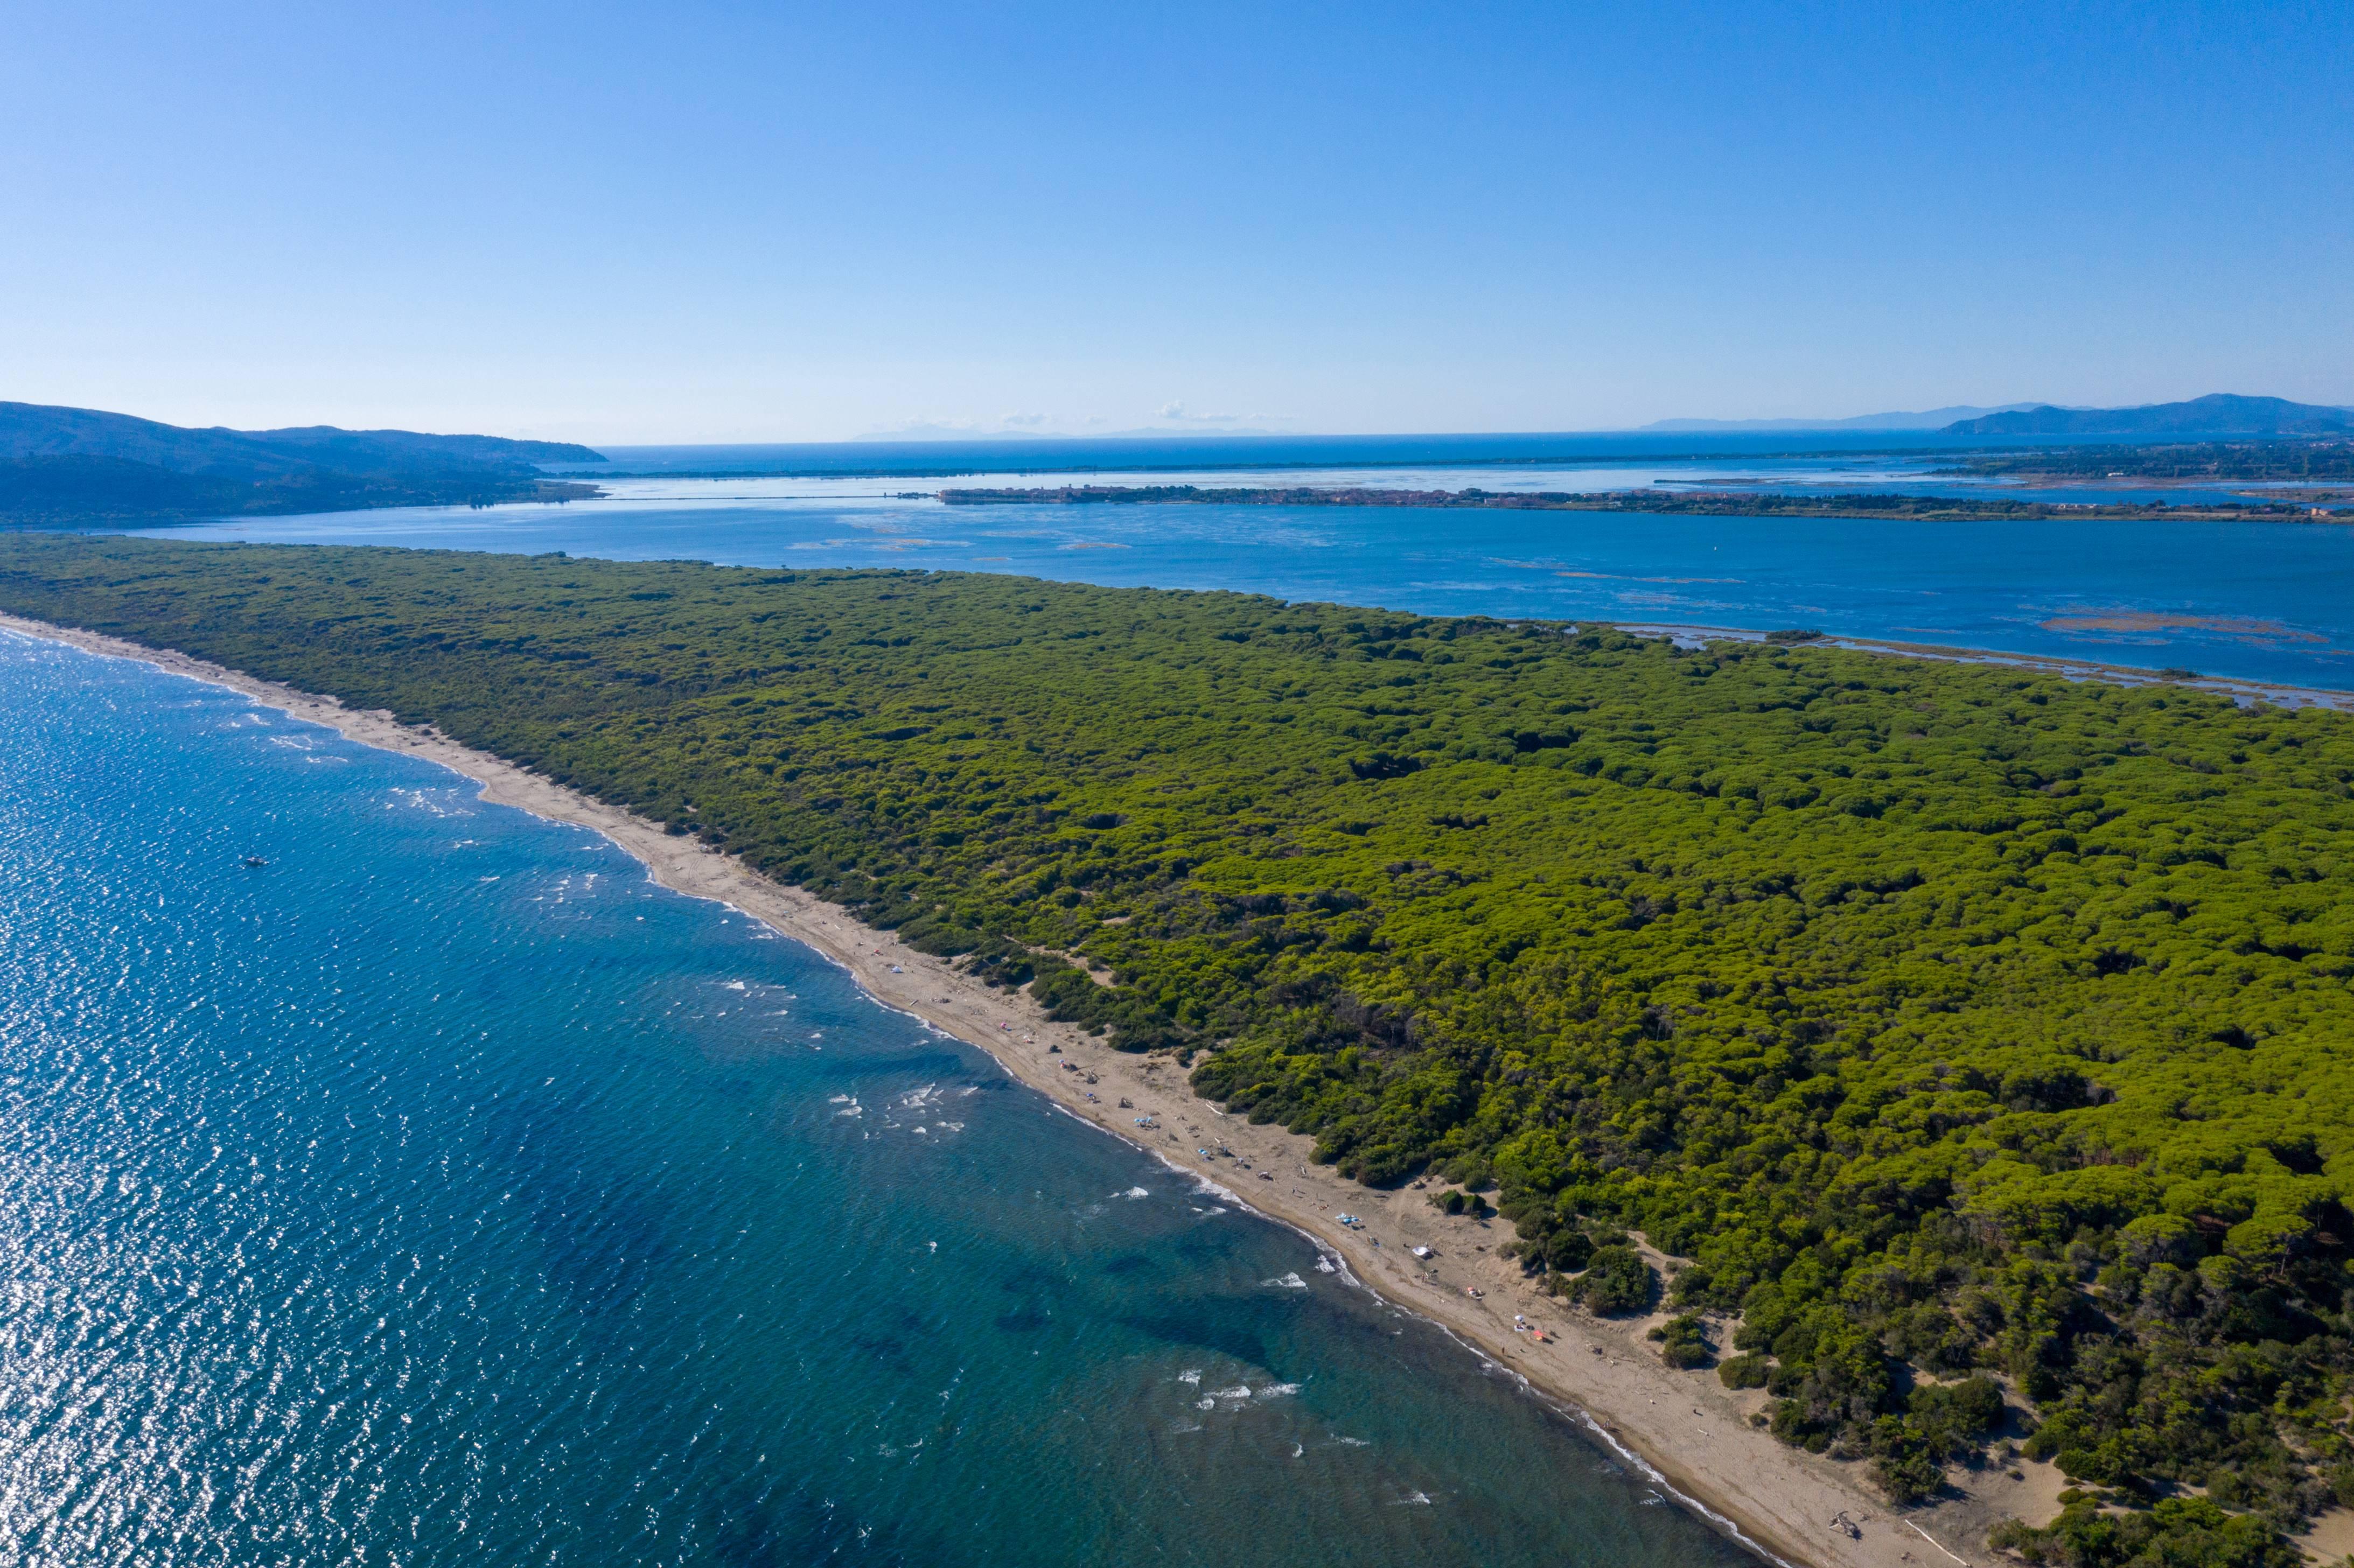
column 1953, row 1063
column 1740, row 503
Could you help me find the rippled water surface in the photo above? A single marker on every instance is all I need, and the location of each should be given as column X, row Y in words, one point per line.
column 2262, row 601
column 443, row 1191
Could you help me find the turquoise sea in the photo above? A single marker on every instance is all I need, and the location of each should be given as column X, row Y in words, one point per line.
column 2258, row 601
column 443, row 1192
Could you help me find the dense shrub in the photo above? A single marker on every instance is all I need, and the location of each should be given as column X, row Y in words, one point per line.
column 1683, row 1342
column 1616, row 1280
column 1744, row 1372
column 2180, row 1532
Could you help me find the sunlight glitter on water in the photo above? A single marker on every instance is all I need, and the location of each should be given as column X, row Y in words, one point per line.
column 444, row 1192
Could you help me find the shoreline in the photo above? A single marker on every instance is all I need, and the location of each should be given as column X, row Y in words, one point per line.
column 2067, row 667
column 1775, row 1500
column 1738, row 501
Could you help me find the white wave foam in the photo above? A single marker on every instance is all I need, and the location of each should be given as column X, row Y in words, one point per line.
column 1643, row 1468
column 1206, row 1188
column 1287, row 1282
column 1190, row 1374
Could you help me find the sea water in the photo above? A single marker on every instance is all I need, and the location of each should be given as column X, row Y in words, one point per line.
column 2269, row 602
column 443, row 1191
column 1145, row 451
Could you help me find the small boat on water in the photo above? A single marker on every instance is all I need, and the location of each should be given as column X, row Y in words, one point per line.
column 254, row 862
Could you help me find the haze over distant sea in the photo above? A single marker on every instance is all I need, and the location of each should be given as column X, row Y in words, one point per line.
column 1149, row 450
column 2262, row 601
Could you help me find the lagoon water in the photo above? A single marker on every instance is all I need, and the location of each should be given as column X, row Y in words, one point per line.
column 445, row 1193
column 2261, row 602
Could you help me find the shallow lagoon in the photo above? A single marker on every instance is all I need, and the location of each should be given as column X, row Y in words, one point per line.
column 2260, row 601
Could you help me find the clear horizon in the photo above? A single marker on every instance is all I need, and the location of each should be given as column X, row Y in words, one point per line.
column 748, row 226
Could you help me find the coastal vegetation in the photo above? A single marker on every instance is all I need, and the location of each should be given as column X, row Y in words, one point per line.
column 1978, row 1045
column 1754, row 503
column 2277, row 460
column 53, row 492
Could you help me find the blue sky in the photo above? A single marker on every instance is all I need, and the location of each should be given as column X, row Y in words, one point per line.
column 707, row 222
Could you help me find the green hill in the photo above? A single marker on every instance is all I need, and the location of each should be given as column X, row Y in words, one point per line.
column 2218, row 414
column 82, row 465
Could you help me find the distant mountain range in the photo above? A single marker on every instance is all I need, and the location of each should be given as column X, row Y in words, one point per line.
column 59, row 464
column 2218, row 414
column 1928, row 419
column 2222, row 413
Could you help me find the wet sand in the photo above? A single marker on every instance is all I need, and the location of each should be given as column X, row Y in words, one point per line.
column 1693, row 1433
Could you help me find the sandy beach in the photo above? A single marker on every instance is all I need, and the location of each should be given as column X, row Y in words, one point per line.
column 1693, row 1434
